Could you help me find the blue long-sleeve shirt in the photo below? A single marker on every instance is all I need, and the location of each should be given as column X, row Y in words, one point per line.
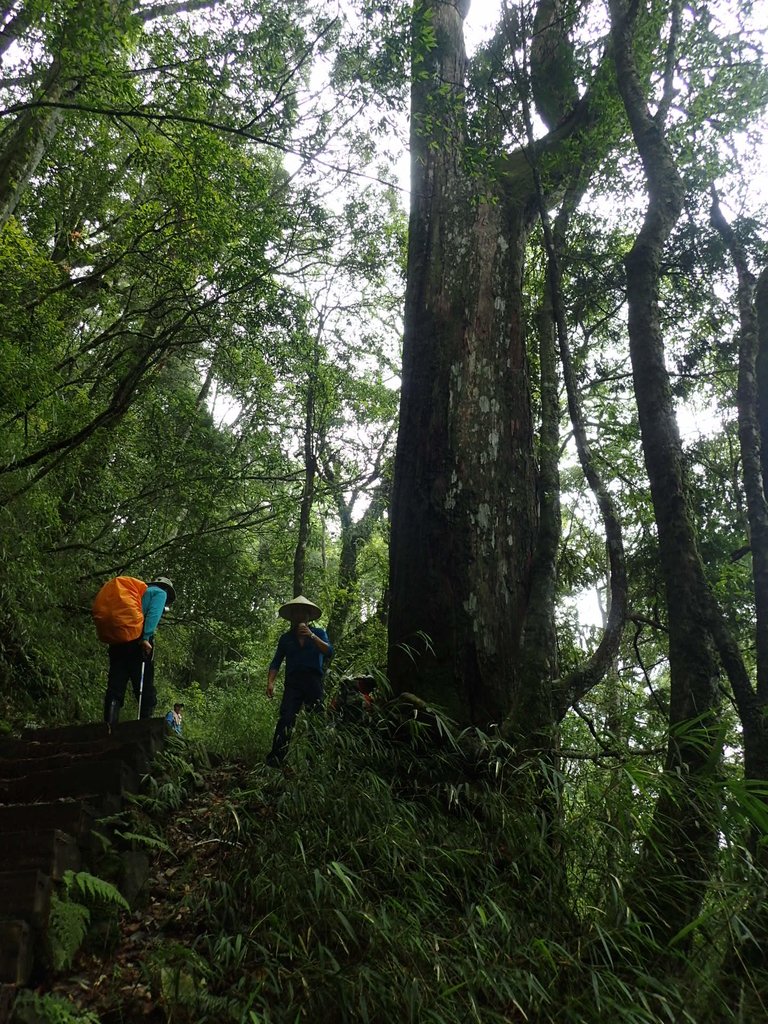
column 298, row 658
column 152, row 606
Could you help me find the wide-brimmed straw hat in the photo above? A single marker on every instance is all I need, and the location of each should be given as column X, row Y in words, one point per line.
column 300, row 603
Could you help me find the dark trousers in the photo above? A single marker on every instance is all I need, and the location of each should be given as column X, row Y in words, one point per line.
column 301, row 689
column 125, row 661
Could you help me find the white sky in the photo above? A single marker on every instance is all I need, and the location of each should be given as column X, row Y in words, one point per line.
column 483, row 15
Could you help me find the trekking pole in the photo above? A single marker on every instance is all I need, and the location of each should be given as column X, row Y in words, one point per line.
column 141, row 686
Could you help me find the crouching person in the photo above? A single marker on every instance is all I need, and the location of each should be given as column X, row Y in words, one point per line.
column 354, row 699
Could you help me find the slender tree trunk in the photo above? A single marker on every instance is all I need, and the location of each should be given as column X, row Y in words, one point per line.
column 307, row 496
column 680, row 849
column 347, row 575
column 747, row 403
column 353, row 537
column 752, row 703
column 761, row 371
column 586, row 675
column 26, row 142
column 618, row 798
column 538, row 656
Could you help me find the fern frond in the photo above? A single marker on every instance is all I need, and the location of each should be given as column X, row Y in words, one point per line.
column 94, row 889
column 67, row 927
column 143, row 840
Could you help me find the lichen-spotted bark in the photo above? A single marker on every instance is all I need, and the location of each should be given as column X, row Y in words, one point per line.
column 464, row 509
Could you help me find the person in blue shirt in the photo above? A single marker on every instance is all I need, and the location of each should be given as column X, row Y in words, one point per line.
column 304, row 649
column 173, row 718
column 126, row 660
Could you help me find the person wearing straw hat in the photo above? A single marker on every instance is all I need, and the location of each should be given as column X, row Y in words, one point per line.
column 304, row 649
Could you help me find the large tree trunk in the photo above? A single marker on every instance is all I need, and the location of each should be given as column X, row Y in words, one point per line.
column 464, row 508
column 16, row 25
column 25, row 142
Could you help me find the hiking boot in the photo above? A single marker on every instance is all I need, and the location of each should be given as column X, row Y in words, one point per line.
column 112, row 712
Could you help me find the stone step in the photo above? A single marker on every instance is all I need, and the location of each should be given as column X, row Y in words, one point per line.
column 25, row 895
column 7, row 999
column 54, row 785
column 75, row 817
column 26, row 757
column 16, row 960
column 13, row 747
column 91, row 777
column 153, row 730
column 51, row 851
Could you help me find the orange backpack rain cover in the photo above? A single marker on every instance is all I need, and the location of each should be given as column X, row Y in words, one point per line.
column 116, row 610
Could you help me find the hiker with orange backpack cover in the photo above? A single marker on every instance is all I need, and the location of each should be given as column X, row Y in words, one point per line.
column 126, row 613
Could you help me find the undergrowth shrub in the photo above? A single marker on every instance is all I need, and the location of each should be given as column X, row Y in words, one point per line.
column 409, row 879
column 235, row 722
column 398, row 870
column 32, row 1008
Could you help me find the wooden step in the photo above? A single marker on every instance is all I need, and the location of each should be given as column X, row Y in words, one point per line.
column 75, row 817
column 25, row 895
column 16, row 959
column 51, row 851
column 90, row 777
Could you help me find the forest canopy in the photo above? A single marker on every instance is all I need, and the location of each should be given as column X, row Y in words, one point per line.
column 238, row 352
